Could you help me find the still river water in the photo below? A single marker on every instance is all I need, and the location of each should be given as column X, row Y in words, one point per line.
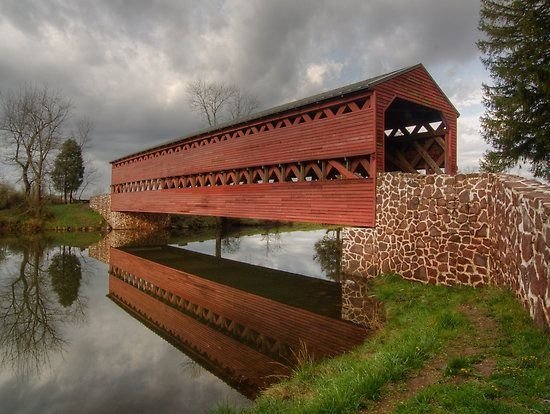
column 165, row 324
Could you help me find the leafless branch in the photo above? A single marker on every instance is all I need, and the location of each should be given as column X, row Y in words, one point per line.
column 242, row 104
column 32, row 124
column 218, row 102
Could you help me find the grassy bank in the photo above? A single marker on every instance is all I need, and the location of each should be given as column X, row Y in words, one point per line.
column 441, row 350
column 56, row 217
column 72, row 216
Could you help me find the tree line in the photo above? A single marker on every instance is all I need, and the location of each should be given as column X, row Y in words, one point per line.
column 38, row 143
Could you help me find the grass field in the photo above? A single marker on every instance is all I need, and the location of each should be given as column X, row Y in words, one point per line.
column 56, row 217
column 441, row 350
column 72, row 216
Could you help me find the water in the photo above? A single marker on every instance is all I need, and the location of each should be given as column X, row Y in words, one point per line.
column 179, row 324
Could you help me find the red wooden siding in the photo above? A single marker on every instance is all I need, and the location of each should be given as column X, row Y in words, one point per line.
column 416, row 86
column 343, row 127
column 347, row 201
column 322, row 335
column 337, row 135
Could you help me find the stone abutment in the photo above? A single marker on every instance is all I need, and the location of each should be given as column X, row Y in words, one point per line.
column 128, row 221
column 475, row 229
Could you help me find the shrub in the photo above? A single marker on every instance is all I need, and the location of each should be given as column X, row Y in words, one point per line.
column 10, row 197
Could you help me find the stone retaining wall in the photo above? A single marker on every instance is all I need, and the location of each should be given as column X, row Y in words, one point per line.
column 474, row 229
column 128, row 221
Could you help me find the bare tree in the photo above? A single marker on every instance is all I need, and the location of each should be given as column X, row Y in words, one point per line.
column 242, row 104
column 209, row 99
column 83, row 133
column 272, row 239
column 83, row 136
column 217, row 102
column 90, row 177
column 31, row 124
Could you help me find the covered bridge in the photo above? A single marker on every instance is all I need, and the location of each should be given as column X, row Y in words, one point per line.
column 312, row 160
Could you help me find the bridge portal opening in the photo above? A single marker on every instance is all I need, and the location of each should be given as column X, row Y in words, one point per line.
column 415, row 138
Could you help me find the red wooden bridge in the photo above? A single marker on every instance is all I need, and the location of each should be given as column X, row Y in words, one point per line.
column 312, row 160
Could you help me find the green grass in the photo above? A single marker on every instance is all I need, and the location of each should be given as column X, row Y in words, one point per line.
column 521, row 380
column 461, row 365
column 11, row 215
column 16, row 220
column 72, row 216
column 55, row 217
column 423, row 322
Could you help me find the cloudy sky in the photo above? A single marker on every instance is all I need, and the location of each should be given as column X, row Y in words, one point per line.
column 125, row 64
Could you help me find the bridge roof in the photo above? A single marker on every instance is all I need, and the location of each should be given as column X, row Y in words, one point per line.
column 338, row 92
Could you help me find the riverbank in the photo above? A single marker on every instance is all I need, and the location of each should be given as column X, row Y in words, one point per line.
column 57, row 217
column 441, row 349
column 80, row 217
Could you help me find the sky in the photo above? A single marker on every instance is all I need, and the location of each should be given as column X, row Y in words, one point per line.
column 125, row 64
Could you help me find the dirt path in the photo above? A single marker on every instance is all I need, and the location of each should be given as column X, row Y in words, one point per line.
column 483, row 335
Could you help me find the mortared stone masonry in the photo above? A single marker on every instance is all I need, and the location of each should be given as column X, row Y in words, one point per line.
column 128, row 221
column 473, row 229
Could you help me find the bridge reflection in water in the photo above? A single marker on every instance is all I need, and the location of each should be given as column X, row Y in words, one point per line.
column 246, row 324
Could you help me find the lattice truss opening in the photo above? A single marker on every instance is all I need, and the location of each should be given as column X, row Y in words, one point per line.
column 324, row 112
column 415, row 138
column 312, row 170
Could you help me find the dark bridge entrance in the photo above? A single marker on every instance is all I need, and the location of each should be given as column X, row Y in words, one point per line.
column 311, row 160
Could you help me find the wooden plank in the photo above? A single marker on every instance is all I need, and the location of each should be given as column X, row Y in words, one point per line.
column 399, row 161
column 263, row 124
column 418, row 136
column 441, row 142
column 346, row 202
column 427, row 158
column 315, row 140
column 416, row 86
column 342, row 170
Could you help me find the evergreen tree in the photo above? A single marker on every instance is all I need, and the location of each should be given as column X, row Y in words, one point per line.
column 516, row 52
column 68, row 171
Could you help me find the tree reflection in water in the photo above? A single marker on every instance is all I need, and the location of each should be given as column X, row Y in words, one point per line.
column 328, row 253
column 231, row 244
column 31, row 317
column 272, row 239
column 66, row 273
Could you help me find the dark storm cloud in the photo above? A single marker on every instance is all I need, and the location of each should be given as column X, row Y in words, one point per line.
column 272, row 43
column 125, row 64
